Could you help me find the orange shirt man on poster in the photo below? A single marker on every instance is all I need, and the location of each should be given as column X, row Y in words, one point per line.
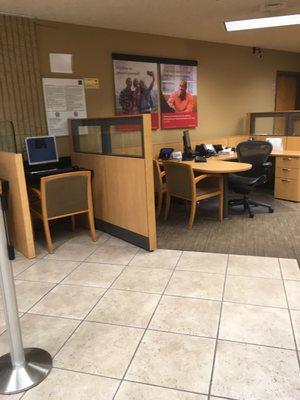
column 181, row 100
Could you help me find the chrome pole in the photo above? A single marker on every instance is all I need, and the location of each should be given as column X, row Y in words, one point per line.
column 20, row 369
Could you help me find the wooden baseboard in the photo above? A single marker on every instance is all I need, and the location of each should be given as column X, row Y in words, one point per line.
column 124, row 234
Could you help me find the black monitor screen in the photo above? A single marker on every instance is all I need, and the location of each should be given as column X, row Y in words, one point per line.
column 41, row 150
column 186, row 141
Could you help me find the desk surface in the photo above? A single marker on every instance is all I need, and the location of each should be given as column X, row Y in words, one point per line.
column 217, row 166
column 275, row 153
column 221, row 163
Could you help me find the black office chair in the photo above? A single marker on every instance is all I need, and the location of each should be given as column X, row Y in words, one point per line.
column 257, row 154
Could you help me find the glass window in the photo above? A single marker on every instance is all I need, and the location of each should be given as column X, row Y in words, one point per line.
column 110, row 136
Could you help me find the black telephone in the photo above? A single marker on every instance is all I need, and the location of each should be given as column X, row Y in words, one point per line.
column 205, row 150
column 165, row 153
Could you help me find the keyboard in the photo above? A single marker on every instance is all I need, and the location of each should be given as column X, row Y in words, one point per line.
column 42, row 171
column 51, row 171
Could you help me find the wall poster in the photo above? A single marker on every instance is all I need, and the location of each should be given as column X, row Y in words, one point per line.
column 178, row 95
column 64, row 99
column 136, row 89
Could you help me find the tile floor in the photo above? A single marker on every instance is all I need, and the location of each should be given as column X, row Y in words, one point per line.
column 125, row 324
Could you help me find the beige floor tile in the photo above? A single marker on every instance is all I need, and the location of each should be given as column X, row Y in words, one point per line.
column 20, row 263
column 203, row 262
column 290, row 269
column 11, row 397
column 256, row 324
column 68, row 385
column 83, row 237
column 48, row 333
column 28, row 293
column 94, row 274
column 248, row 372
column 125, row 308
column 48, row 270
column 138, row 391
column 40, row 249
column 72, row 251
column 114, row 241
column 143, row 279
column 196, row 284
column 99, row 349
column 174, row 361
column 250, row 290
column 296, row 325
column 156, row 259
column 69, row 301
column 293, row 294
column 184, row 315
column 113, row 254
column 262, row 267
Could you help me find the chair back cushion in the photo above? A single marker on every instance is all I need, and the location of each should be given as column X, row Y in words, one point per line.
column 255, row 152
column 180, row 179
column 66, row 195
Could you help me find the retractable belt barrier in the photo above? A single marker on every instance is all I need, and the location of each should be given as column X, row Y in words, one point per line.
column 21, row 369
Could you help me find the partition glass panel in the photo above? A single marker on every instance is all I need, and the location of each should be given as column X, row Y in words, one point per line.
column 295, row 125
column 281, row 123
column 109, row 136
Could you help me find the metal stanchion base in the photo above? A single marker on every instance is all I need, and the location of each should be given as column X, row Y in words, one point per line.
column 38, row 364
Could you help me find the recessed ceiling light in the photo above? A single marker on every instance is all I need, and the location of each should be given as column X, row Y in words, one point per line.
column 257, row 23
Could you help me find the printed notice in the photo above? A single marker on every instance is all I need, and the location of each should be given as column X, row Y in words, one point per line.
column 64, row 99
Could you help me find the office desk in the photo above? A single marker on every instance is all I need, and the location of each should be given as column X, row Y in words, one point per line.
column 216, row 165
column 287, row 173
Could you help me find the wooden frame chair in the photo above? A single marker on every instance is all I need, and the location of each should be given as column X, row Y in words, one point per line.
column 63, row 195
column 160, row 187
column 182, row 183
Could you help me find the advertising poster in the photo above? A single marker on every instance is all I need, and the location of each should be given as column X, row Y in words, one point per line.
column 136, row 89
column 64, row 99
column 178, row 96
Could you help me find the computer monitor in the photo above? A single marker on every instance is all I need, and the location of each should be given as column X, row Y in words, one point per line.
column 186, row 141
column 41, row 150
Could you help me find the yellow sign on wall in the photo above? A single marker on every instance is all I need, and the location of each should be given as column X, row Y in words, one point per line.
column 91, row 83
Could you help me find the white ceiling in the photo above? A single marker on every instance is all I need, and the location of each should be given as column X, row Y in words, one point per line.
column 193, row 19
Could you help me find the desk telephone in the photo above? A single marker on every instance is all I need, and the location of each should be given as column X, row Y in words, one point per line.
column 206, row 150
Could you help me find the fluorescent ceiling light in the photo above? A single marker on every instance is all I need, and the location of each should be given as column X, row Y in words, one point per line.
column 257, row 23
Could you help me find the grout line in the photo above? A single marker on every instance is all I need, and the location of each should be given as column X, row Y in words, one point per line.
column 290, row 315
column 149, row 322
column 222, row 397
column 86, row 373
column 221, row 339
column 164, row 387
column 217, row 335
column 83, row 320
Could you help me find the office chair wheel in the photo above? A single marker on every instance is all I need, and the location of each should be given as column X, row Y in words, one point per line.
column 271, row 210
column 251, row 215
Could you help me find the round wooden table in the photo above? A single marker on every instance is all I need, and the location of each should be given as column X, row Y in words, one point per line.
column 213, row 166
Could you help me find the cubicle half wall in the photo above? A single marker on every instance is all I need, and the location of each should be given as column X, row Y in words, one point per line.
column 119, row 152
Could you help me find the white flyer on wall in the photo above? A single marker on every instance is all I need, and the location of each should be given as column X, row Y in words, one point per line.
column 64, row 99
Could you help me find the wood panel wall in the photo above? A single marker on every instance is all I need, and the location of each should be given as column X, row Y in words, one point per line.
column 21, row 98
column 123, row 189
column 19, row 220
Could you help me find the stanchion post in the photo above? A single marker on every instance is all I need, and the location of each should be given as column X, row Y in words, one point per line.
column 20, row 369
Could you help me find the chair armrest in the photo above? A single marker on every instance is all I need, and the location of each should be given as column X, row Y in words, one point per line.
column 205, row 176
column 267, row 164
column 35, row 191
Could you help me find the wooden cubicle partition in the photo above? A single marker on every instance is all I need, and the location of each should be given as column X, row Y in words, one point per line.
column 19, row 220
column 123, row 191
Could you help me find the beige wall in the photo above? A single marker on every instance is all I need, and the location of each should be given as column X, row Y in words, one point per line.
column 231, row 81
